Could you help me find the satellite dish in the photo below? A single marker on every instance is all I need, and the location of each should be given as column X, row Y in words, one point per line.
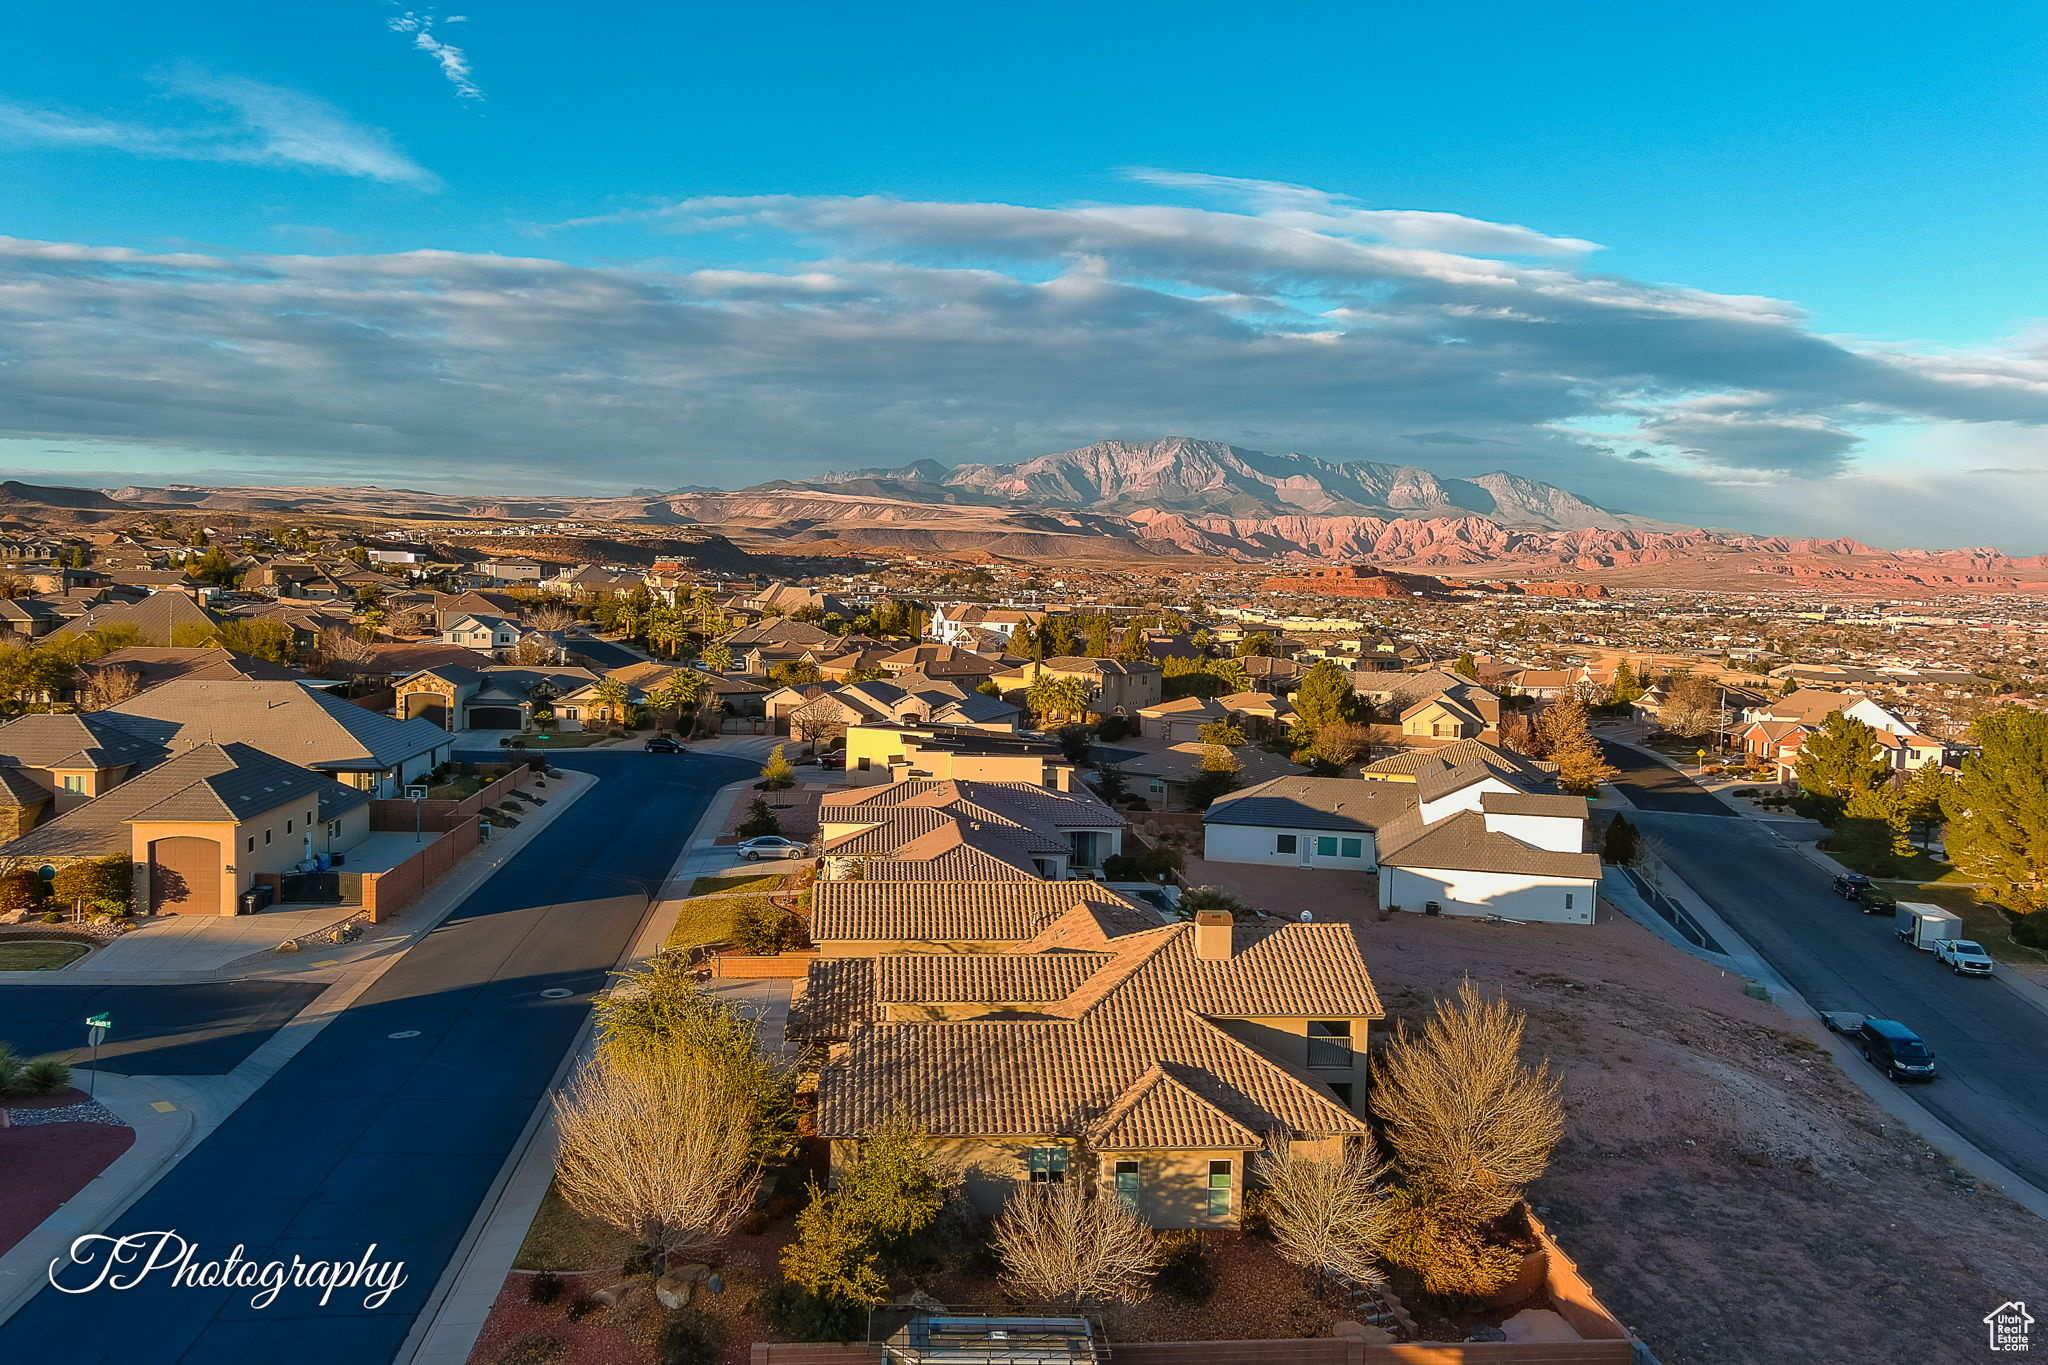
column 1306, row 916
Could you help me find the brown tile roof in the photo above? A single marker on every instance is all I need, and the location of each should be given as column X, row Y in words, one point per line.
column 1151, row 1005
column 982, row 978
column 951, row 912
column 1159, row 1111
column 1530, row 803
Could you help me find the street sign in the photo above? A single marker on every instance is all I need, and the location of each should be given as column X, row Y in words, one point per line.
column 96, row 1026
column 100, row 1021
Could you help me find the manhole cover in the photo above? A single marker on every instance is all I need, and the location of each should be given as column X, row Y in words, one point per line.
column 404, row 1033
column 555, row 993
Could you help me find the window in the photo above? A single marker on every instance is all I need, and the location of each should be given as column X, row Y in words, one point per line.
column 1326, row 846
column 1329, row 1043
column 1567, row 900
column 1353, row 848
column 1047, row 1164
column 1126, row 1177
column 1157, row 785
column 334, row 829
column 1285, row 843
column 1219, row 1188
column 287, row 827
column 252, row 843
column 73, row 783
column 266, row 836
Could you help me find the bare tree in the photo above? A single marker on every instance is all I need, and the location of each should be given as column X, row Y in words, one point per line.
column 1064, row 1241
column 1463, row 1114
column 657, row 1143
column 552, row 616
column 1328, row 1216
column 530, row 651
column 100, row 689
column 417, row 619
column 340, row 645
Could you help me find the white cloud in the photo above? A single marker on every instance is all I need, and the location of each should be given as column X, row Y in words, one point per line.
column 229, row 119
column 452, row 60
column 857, row 331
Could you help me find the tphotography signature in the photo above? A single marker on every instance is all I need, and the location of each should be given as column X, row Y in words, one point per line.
column 101, row 1261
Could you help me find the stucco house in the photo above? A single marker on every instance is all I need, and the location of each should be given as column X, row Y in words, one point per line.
column 1156, row 1064
column 200, row 826
column 454, row 697
column 1006, row 829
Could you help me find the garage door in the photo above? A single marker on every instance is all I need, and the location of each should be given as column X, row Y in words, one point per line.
column 427, row 706
column 184, row 876
column 494, row 718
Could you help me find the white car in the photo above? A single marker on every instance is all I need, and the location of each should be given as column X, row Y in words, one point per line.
column 1963, row 957
column 771, row 846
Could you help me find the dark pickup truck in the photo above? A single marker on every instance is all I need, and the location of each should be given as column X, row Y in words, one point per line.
column 1855, row 887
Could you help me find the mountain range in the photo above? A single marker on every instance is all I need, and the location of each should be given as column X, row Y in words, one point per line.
column 1209, row 478
column 1143, row 501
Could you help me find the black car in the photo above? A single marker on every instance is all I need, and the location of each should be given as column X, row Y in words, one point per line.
column 1895, row 1050
column 1856, row 888
column 662, row 744
column 1851, row 885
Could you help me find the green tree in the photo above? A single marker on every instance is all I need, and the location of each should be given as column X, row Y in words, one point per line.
column 609, row 699
column 1219, row 775
column 1840, row 759
column 213, row 567
column 717, row 657
column 1622, row 845
column 1627, row 687
column 760, row 821
column 1098, row 638
column 1050, row 696
column 269, row 640
column 1203, row 640
column 103, row 884
column 1023, row 643
column 1258, row 645
column 1325, row 697
column 888, row 1194
column 778, row 772
column 1998, row 809
column 1133, row 647
column 1224, row 732
column 1467, row 666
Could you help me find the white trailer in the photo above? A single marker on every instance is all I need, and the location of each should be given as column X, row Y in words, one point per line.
column 1922, row 926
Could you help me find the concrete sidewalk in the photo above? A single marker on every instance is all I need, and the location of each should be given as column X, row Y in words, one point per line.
column 200, row 1103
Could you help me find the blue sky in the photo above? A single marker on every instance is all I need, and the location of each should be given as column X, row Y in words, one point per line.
column 1771, row 267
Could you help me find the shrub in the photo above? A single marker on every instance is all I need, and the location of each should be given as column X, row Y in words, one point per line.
column 45, row 1076
column 2031, row 930
column 19, row 890
column 689, row 1338
column 544, row 1288
column 801, row 1315
column 760, row 820
column 580, row 1306
column 534, row 1348
column 1184, row 1267
column 1197, row 899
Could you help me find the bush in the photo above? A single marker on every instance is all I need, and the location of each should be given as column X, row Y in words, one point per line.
column 689, row 1338
column 801, row 1315
column 2031, row 930
column 534, row 1348
column 1184, row 1267
column 759, row 926
column 1197, row 899
column 45, row 1076
column 20, row 890
column 760, row 820
column 544, row 1288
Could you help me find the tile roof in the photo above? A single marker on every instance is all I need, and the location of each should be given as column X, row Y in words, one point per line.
column 1337, row 803
column 1411, row 762
column 291, row 722
column 1530, row 803
column 952, row 912
column 209, row 782
column 1463, row 843
column 156, row 665
column 52, row 740
column 1084, row 1065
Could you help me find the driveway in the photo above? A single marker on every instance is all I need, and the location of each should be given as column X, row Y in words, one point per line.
column 390, row 1126
column 1991, row 1043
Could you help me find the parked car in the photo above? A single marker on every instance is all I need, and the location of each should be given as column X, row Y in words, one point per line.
column 771, row 846
column 832, row 762
column 1963, row 957
column 1855, row 887
column 1895, row 1050
column 663, row 744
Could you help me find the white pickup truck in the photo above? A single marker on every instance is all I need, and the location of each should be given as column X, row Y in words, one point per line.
column 1963, row 957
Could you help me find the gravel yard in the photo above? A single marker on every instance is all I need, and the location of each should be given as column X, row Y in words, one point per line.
column 1730, row 1193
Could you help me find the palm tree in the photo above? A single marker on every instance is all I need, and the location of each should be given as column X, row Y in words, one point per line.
column 666, row 631
column 679, row 692
column 1050, row 696
column 611, row 696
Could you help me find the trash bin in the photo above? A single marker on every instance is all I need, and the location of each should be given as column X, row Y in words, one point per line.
column 257, row 899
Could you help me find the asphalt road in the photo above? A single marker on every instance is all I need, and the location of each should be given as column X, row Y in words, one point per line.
column 389, row 1127
column 1992, row 1046
column 199, row 1029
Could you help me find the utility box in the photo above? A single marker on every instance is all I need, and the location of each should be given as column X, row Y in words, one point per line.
column 1921, row 926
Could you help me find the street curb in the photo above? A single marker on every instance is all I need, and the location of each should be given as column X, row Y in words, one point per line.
column 454, row 1316
column 1887, row 1096
column 211, row 1105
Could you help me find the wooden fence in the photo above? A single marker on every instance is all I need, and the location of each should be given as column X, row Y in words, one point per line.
column 384, row 894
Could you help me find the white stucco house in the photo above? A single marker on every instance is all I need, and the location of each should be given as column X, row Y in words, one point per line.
column 1471, row 837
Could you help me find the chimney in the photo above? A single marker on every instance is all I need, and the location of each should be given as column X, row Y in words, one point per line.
column 1062, row 777
column 1212, row 935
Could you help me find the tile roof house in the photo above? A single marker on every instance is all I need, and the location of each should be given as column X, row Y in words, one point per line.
column 364, row 749
column 202, row 825
column 868, row 917
column 153, row 665
column 1155, row 1064
column 158, row 617
column 1472, row 830
column 497, row 697
column 1161, row 775
column 987, row 826
column 1432, row 708
column 52, row 762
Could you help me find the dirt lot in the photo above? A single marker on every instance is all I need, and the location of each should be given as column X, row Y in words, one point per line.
column 1731, row 1194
